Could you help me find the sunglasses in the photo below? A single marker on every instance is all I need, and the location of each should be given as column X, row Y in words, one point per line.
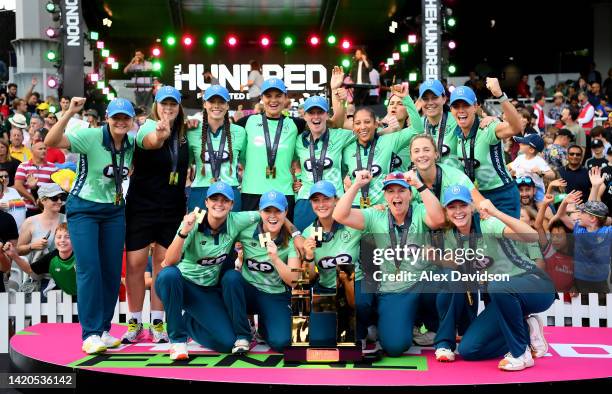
column 523, row 179
column 59, row 197
column 574, row 154
column 4, row 176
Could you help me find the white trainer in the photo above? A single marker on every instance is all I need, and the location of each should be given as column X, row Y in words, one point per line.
column 539, row 345
column 510, row 363
column 93, row 345
column 241, row 346
column 445, row 355
column 178, row 351
column 423, row 339
column 109, row 340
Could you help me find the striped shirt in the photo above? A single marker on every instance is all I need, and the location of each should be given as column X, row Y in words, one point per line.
column 43, row 173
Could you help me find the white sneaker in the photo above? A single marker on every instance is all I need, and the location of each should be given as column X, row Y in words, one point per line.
column 510, row 363
column 157, row 332
column 370, row 348
column 109, row 340
column 134, row 332
column 178, row 351
column 445, row 355
column 93, row 345
column 241, row 346
column 423, row 339
column 539, row 345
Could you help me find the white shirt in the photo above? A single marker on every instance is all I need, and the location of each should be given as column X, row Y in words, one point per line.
column 588, row 116
column 18, row 212
column 523, row 166
column 374, row 80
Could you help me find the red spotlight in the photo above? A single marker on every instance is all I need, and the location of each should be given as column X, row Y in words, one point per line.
column 187, row 41
column 346, row 44
column 156, row 52
column 265, row 41
column 314, row 41
column 232, row 41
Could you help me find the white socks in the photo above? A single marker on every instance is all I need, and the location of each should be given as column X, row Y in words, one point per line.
column 157, row 315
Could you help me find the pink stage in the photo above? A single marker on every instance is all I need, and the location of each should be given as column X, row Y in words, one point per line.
column 574, row 354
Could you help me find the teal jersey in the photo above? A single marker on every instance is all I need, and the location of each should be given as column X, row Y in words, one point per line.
column 377, row 225
column 338, row 139
column 254, row 154
column 447, row 148
column 383, row 152
column 400, row 160
column 501, row 255
column 489, row 163
column 203, row 253
column 257, row 269
column 341, row 246
column 450, row 176
column 228, row 173
column 95, row 179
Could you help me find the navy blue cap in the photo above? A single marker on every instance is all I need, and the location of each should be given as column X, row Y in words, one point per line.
column 395, row 178
column 325, row 188
column 217, row 90
column 167, row 92
column 120, row 106
column 456, row 193
column 463, row 93
column 274, row 199
column 432, row 85
column 273, row 83
column 220, row 188
column 533, row 140
column 316, row 102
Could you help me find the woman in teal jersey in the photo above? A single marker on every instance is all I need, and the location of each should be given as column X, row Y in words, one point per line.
column 262, row 284
column 319, row 151
column 340, row 245
column 215, row 148
column 502, row 327
column 481, row 149
column 400, row 225
column 96, row 213
column 374, row 152
column 190, row 280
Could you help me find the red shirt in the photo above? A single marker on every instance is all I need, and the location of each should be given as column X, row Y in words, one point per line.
column 43, row 173
column 560, row 268
column 55, row 155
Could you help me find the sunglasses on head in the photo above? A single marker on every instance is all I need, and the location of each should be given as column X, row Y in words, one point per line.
column 59, row 197
column 395, row 176
column 523, row 179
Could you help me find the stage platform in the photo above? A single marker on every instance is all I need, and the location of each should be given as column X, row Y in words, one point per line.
column 575, row 354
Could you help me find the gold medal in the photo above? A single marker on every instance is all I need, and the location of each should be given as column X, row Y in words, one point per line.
column 271, row 172
column 118, row 198
column 364, row 202
column 173, row 178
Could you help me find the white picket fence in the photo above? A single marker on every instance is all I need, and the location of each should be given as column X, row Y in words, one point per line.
column 59, row 308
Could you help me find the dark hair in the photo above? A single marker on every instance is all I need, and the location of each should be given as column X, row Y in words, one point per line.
column 597, row 131
column 362, row 49
column 369, row 110
column 575, row 146
column 226, row 130
column 11, row 85
column 255, row 65
column 538, row 97
column 42, row 132
column 66, row 98
column 36, row 94
column 574, row 113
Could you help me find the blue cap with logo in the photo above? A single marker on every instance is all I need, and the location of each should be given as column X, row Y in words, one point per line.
column 463, row 93
column 456, row 193
column 120, row 106
column 533, row 140
column 220, row 188
column 216, row 90
column 325, row 188
column 168, row 92
column 274, row 199
column 316, row 102
column 273, row 83
column 395, row 178
column 432, row 85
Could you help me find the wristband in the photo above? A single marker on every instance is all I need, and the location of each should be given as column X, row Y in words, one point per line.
column 296, row 234
column 308, row 260
column 422, row 188
column 181, row 235
column 502, row 98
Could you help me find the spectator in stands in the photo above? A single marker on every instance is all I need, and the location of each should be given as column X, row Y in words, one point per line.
column 523, row 88
column 593, row 75
column 64, row 104
column 53, row 155
column 527, row 190
column 556, row 153
column 576, row 176
column 11, row 93
column 581, row 85
column 8, row 235
column 592, row 240
column 32, row 174
column 530, row 164
column 8, row 162
column 569, row 118
column 556, row 247
column 538, row 110
column 36, row 123
column 10, row 200
column 19, row 107
column 607, row 85
column 605, row 191
column 594, row 94
column 91, row 116
column 598, row 159
column 17, row 149
column 50, row 120
column 540, row 86
column 559, row 105
column 37, row 234
column 587, row 113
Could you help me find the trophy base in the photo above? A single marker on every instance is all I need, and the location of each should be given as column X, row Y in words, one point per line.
column 313, row 355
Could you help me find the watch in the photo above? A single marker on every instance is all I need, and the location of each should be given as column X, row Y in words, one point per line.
column 502, row 98
column 423, row 187
column 296, row 234
column 181, row 235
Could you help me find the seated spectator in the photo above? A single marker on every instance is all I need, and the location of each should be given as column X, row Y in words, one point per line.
column 59, row 264
column 555, row 154
column 576, row 176
column 10, row 200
